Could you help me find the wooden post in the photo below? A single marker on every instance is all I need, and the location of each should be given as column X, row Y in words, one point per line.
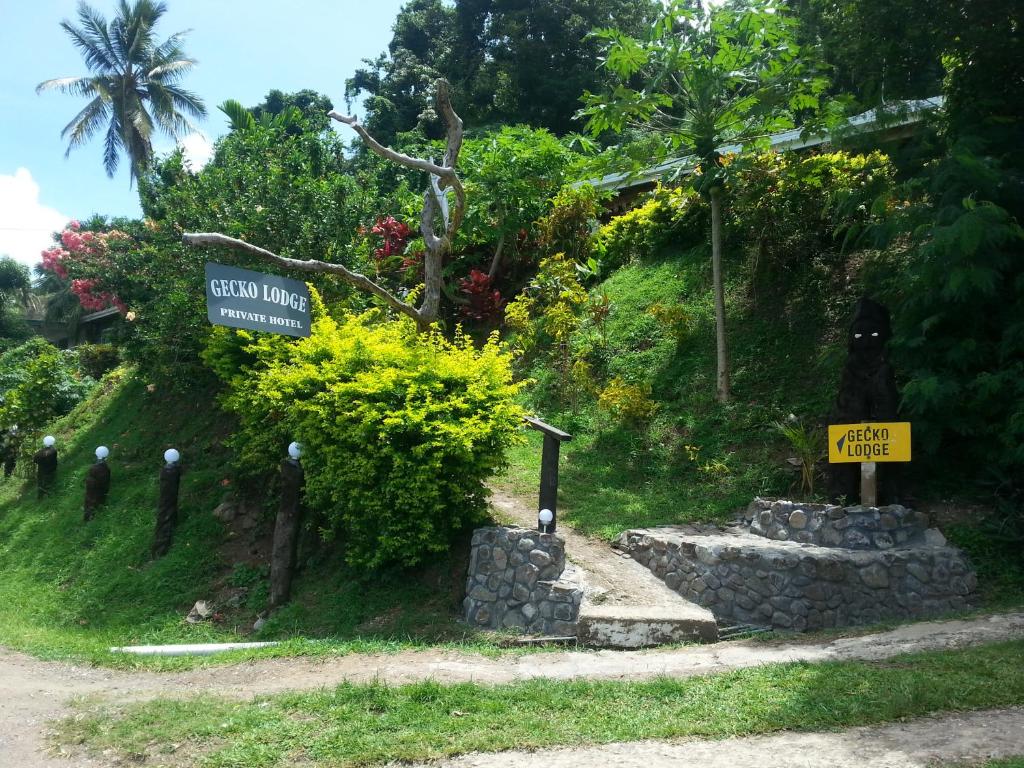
column 97, row 486
column 46, row 470
column 553, row 438
column 869, row 484
column 286, row 532
column 167, row 509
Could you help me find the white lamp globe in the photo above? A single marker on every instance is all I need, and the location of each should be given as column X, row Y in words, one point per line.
column 102, row 452
column 49, row 440
column 295, row 450
column 171, row 456
column 546, row 516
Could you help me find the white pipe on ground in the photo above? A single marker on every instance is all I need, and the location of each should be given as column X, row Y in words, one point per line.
column 197, row 649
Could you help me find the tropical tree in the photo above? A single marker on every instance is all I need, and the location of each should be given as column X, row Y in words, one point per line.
column 508, row 62
column 133, row 86
column 15, row 297
column 704, row 78
column 440, row 217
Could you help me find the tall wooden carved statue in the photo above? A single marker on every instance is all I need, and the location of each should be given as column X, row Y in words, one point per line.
column 867, row 392
column 287, row 528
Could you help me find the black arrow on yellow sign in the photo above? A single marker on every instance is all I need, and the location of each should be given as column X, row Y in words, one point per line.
column 840, row 443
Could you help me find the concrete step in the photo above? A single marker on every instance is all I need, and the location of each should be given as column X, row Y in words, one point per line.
column 642, row 626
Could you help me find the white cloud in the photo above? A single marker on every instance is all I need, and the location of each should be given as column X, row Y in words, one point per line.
column 26, row 226
column 197, row 149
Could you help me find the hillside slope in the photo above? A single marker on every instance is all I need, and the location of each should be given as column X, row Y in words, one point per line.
column 73, row 589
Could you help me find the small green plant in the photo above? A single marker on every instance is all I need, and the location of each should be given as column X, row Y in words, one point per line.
column 673, row 318
column 808, row 442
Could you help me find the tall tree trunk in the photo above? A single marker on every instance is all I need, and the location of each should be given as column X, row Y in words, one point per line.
column 722, row 386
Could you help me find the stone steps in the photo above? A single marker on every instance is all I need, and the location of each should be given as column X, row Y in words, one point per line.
column 643, row 626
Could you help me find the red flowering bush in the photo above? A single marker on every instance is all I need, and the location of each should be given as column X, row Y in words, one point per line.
column 484, row 302
column 395, row 235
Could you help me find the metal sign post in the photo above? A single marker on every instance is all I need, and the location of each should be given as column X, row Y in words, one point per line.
column 868, row 444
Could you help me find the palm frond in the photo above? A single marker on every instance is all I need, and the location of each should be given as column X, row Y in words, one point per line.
column 111, row 144
column 241, row 118
column 166, row 116
column 186, row 101
column 76, row 86
column 171, row 70
column 86, row 123
column 170, row 49
column 92, row 38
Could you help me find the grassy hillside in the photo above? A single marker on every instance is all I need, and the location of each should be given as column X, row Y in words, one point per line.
column 694, row 459
column 73, row 589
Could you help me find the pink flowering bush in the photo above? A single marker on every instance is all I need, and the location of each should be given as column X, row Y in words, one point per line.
column 85, row 252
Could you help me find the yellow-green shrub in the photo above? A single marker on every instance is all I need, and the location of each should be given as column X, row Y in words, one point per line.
column 629, row 403
column 670, row 216
column 400, row 429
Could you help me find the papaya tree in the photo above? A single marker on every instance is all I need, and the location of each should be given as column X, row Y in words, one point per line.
column 708, row 79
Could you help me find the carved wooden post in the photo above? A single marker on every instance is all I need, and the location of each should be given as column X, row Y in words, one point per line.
column 9, row 450
column 167, row 508
column 553, row 439
column 286, row 529
column 97, row 484
column 46, row 466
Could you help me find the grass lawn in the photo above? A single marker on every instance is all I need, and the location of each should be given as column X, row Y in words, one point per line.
column 372, row 725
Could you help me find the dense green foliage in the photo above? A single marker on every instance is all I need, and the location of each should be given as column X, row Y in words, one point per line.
column 509, row 62
column 38, row 383
column 960, row 324
column 671, row 216
column 135, row 85
column 366, row 725
column 400, row 430
column 510, row 176
column 14, row 290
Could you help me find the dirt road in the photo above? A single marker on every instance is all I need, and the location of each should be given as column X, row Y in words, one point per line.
column 33, row 692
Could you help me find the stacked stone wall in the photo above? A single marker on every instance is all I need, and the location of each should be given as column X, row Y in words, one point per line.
column 518, row 581
column 748, row 579
column 828, row 525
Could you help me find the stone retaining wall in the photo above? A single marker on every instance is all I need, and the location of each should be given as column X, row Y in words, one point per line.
column 518, row 580
column 748, row 579
column 828, row 525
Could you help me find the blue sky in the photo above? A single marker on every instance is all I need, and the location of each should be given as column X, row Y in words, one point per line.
column 244, row 48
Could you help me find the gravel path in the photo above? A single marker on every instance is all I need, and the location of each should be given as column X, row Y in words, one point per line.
column 960, row 738
column 33, row 692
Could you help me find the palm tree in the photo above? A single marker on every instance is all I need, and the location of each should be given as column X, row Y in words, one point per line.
column 133, row 86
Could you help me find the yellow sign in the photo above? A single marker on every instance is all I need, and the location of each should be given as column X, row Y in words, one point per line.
column 869, row 442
